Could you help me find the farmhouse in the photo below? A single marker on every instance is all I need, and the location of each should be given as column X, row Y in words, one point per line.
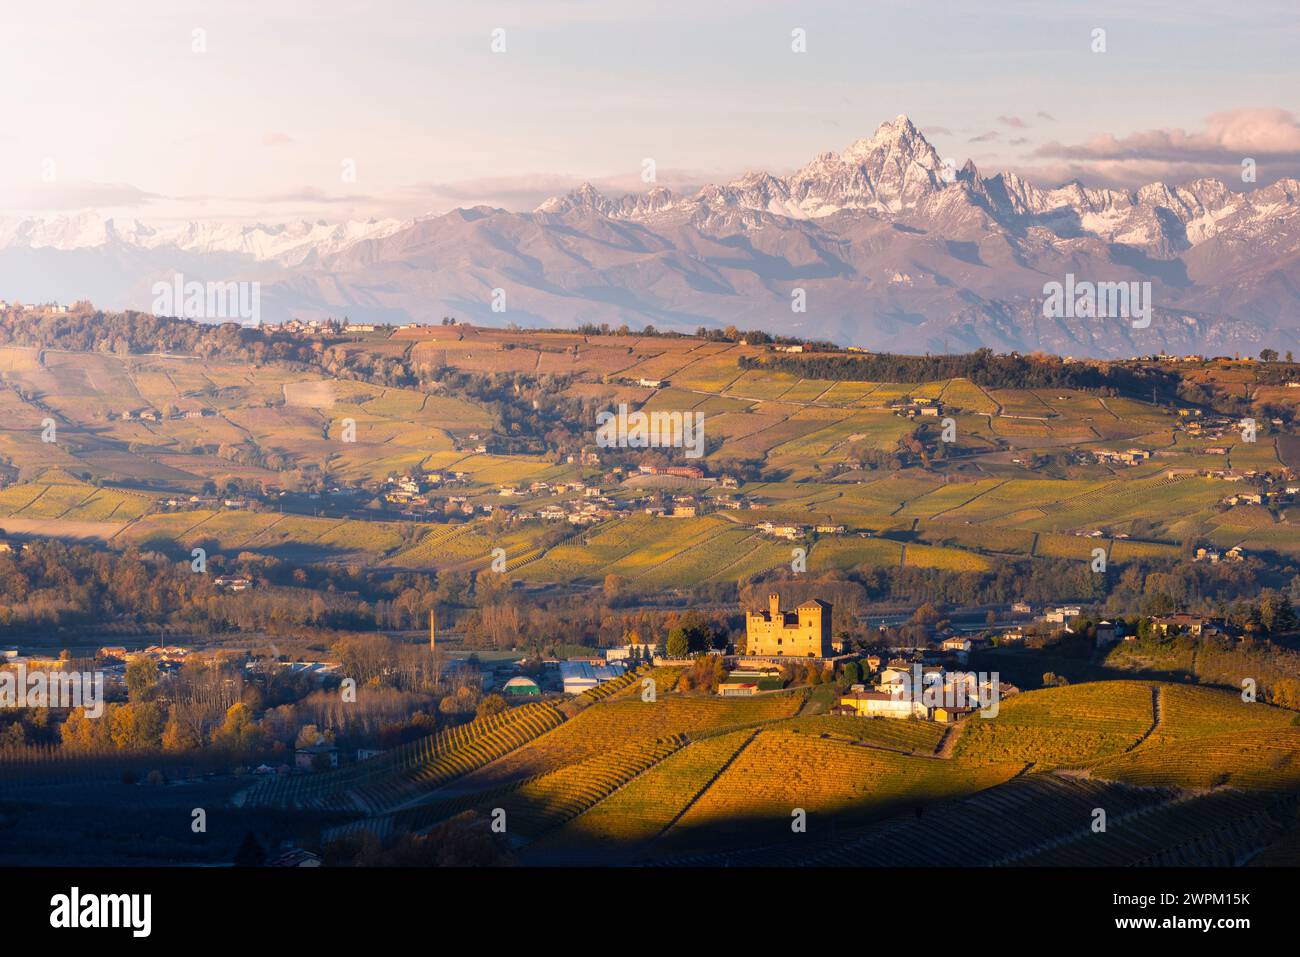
column 947, row 715
column 803, row 633
column 1189, row 624
column 743, row 682
column 878, row 704
column 1061, row 615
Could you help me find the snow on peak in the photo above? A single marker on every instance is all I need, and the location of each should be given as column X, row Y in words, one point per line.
column 288, row 242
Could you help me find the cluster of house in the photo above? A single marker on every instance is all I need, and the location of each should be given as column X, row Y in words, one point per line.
column 547, row 488
column 1213, row 556
column 923, row 691
column 591, row 508
column 410, row 494
column 178, row 503
column 916, row 407
column 1195, row 625
column 315, row 327
column 1199, row 425
column 1280, row 496
column 153, row 415
column 682, row 506
column 1127, row 457
column 793, row 532
column 1196, row 422
column 113, row 658
column 50, row 308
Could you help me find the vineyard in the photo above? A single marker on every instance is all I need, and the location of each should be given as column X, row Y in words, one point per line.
column 1253, row 760
column 699, row 779
column 623, row 721
column 1061, row 726
column 836, row 783
column 1187, row 771
column 552, row 799
column 422, row 766
column 645, row 807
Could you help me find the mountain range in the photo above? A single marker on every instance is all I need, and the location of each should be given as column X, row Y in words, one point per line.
column 886, row 244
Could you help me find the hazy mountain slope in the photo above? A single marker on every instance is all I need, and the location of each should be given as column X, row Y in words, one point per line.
column 886, row 245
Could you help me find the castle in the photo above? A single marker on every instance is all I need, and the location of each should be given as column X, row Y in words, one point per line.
column 803, row 633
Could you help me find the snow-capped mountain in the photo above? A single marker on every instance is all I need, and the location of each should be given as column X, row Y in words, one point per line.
column 288, row 243
column 891, row 245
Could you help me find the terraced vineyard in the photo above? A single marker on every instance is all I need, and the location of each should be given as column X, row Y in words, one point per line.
column 835, row 782
column 552, row 799
column 707, row 780
column 1060, row 726
column 1192, row 712
column 411, row 770
column 999, row 825
column 1225, row 829
column 623, row 721
column 915, row 737
column 1255, row 760
column 647, row 806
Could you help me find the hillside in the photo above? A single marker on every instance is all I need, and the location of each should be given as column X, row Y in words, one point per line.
column 146, row 442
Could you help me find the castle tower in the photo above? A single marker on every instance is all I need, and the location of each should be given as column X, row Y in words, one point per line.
column 774, row 603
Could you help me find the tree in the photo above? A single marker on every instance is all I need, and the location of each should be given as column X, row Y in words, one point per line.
column 679, row 645
column 490, row 705
column 141, row 678
column 239, row 731
column 1268, row 355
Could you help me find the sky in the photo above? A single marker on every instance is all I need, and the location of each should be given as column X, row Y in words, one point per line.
column 289, row 109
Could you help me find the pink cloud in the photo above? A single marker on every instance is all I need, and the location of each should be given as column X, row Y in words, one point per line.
column 1228, row 136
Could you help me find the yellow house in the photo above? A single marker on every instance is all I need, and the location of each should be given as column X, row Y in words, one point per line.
column 947, row 715
column 803, row 633
column 878, row 704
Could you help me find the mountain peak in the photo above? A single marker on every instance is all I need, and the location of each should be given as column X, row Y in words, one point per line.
column 585, row 197
column 898, row 139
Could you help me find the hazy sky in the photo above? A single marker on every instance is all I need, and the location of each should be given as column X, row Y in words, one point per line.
column 113, row 102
